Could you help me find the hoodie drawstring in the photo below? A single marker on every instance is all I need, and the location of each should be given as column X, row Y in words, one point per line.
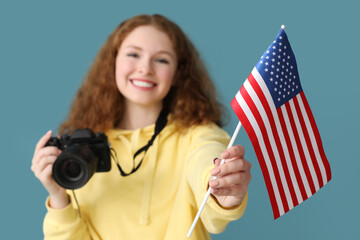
column 146, row 198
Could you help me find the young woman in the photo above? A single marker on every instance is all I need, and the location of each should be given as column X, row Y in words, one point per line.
column 146, row 66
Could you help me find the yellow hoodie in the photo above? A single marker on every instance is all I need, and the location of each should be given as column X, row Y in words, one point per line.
column 159, row 201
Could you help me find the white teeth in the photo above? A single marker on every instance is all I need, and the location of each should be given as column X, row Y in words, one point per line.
column 142, row 83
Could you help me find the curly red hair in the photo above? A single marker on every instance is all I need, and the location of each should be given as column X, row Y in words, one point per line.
column 98, row 104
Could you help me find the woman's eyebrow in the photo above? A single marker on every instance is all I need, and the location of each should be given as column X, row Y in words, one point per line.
column 133, row 46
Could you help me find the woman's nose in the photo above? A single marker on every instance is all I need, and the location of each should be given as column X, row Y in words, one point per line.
column 145, row 66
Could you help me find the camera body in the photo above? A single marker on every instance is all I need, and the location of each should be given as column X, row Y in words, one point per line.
column 83, row 153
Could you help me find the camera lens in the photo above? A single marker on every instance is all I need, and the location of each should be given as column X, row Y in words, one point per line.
column 72, row 170
column 74, row 166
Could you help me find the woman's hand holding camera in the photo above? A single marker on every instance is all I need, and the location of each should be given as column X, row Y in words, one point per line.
column 42, row 163
column 232, row 177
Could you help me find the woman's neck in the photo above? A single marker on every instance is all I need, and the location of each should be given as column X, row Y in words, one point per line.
column 139, row 116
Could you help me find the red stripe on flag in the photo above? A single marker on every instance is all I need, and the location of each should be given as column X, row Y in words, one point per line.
column 253, row 138
column 274, row 130
column 308, row 142
column 238, row 111
column 300, row 148
column 269, row 149
column 292, row 155
column 317, row 136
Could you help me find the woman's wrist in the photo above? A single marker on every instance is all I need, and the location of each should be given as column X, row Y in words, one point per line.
column 59, row 200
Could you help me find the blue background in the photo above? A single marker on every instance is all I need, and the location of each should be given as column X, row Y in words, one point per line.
column 47, row 47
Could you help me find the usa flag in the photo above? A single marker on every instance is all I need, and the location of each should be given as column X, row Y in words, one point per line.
column 273, row 109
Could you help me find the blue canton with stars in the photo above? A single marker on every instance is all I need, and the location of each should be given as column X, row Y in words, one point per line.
column 277, row 66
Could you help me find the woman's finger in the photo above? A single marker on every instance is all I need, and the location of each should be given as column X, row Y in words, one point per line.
column 45, row 162
column 235, row 191
column 46, row 151
column 43, row 140
column 237, row 151
column 45, row 176
column 217, row 162
column 229, row 180
column 229, row 167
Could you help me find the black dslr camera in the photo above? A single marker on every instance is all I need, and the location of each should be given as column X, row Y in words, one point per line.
column 83, row 154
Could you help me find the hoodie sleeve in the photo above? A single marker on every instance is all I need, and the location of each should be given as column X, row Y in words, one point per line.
column 208, row 142
column 65, row 224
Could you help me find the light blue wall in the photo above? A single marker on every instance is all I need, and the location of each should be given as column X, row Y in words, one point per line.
column 46, row 47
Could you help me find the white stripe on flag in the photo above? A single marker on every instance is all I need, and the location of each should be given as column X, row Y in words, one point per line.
column 256, row 128
column 296, row 152
column 313, row 141
column 303, row 143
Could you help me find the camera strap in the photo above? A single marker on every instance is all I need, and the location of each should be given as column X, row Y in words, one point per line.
column 159, row 126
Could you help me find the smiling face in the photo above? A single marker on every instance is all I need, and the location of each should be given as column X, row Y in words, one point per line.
column 145, row 67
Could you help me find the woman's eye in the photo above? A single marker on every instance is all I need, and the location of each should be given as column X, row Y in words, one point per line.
column 134, row 55
column 162, row 60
